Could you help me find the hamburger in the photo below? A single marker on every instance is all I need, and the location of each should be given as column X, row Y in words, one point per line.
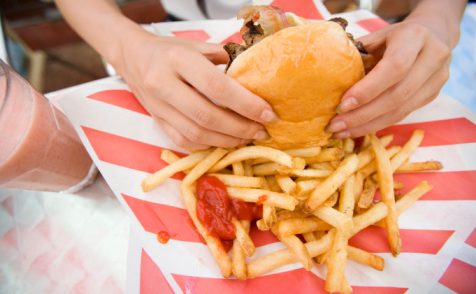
column 301, row 68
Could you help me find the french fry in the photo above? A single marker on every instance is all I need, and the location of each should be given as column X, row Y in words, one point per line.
column 299, row 249
column 358, row 185
column 213, row 243
column 412, row 196
column 365, row 258
column 269, row 218
column 252, row 152
column 248, row 170
column 286, row 183
column 325, row 189
column 326, row 154
column 266, row 169
column 331, row 201
column 336, row 262
column 333, row 217
column 398, row 185
column 419, row 166
column 384, row 171
column 238, row 258
column 304, row 173
column 407, row 149
column 168, row 156
column 240, row 181
column 305, row 187
column 296, row 226
column 304, row 152
column 347, row 198
column 309, row 236
column 157, row 178
column 238, row 169
column 372, row 167
column 349, row 145
column 286, row 214
column 322, row 166
column 369, row 217
column 365, row 142
column 273, row 184
column 203, row 166
column 243, row 238
column 280, row 200
column 367, row 196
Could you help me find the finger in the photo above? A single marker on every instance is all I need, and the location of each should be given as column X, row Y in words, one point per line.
column 191, row 131
column 221, row 89
column 208, row 115
column 178, row 138
column 393, row 67
column 213, row 52
column 425, row 95
column 434, row 55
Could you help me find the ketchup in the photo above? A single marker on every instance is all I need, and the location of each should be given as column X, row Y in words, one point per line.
column 163, row 237
column 215, row 209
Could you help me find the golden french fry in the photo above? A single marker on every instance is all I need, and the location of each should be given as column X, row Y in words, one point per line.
column 213, row 243
column 309, row 236
column 407, row 149
column 349, row 145
column 238, row 258
column 304, row 173
column 372, row 167
column 305, row 187
column 157, row 178
column 335, row 218
column 326, row 154
column 243, row 238
column 358, row 185
column 365, row 142
column 266, row 169
column 299, row 249
column 384, row 172
column 252, row 152
column 203, row 166
column 273, row 184
column 280, row 200
column 398, row 185
column 248, row 170
column 286, row 183
column 238, row 169
column 331, row 201
column 336, row 262
column 286, row 214
column 366, row 258
column 298, row 163
column 240, row 181
column 168, row 156
column 419, row 166
column 304, row 152
column 296, row 226
column 330, row 185
column 347, row 198
column 369, row 217
column 366, row 155
column 367, row 196
column 322, row 166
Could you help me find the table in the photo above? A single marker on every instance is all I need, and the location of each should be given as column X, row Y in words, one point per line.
column 62, row 243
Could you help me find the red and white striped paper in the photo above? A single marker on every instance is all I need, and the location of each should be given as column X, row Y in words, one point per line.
column 438, row 232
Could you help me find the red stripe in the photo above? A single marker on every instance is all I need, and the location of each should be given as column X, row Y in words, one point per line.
column 295, row 281
column 374, row 239
column 438, row 132
column 471, row 241
column 126, row 152
column 303, row 8
column 199, row 35
column 120, row 98
column 372, row 24
column 460, row 277
column 235, row 38
column 459, row 185
column 151, row 278
column 155, row 218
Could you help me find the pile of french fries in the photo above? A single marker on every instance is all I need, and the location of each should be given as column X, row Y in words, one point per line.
column 314, row 199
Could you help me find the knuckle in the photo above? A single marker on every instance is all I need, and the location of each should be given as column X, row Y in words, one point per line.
column 217, row 84
column 418, row 30
column 193, row 133
column 442, row 51
column 204, row 117
column 399, row 63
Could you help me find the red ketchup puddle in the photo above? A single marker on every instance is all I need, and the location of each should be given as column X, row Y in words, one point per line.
column 215, row 209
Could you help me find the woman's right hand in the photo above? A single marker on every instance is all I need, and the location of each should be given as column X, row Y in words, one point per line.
column 177, row 81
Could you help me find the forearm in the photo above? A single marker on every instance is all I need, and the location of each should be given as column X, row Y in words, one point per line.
column 100, row 23
column 441, row 16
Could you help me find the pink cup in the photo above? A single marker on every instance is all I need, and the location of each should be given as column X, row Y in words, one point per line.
column 39, row 149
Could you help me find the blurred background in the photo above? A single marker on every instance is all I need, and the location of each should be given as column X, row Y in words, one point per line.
column 45, row 50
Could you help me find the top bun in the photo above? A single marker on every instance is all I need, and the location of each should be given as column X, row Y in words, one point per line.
column 302, row 71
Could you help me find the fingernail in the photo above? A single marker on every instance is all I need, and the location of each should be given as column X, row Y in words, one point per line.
column 336, row 126
column 268, row 116
column 342, row 135
column 347, row 104
column 260, row 135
